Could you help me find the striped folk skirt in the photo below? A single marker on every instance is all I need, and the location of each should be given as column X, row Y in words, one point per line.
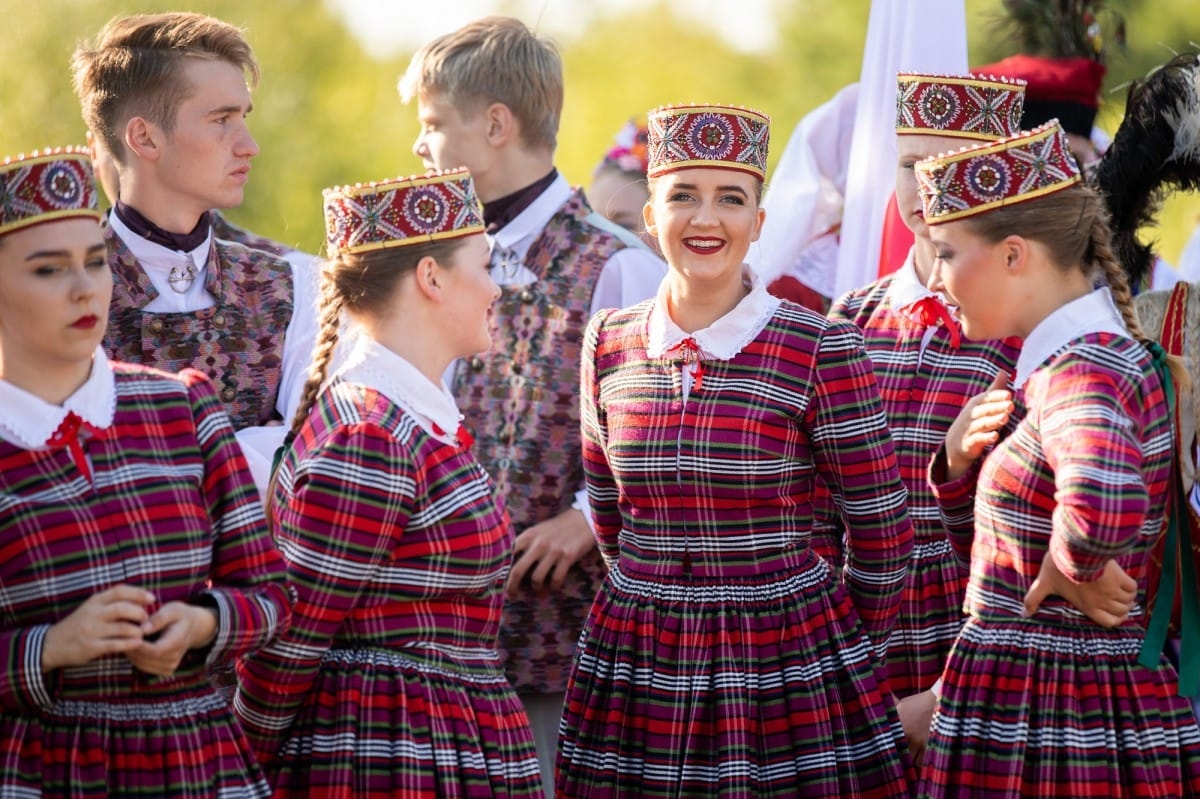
column 1037, row 708
column 148, row 744
column 702, row 686
column 379, row 723
column 931, row 616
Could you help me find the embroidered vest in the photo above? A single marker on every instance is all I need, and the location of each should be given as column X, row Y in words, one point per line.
column 238, row 342
column 521, row 400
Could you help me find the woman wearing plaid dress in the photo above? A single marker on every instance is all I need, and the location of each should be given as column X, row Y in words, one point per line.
column 389, row 682
column 723, row 657
column 133, row 550
column 1040, row 699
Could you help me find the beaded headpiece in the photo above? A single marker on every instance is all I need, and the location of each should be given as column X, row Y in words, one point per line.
column 686, row 136
column 392, row 213
column 46, row 186
column 628, row 152
column 978, row 179
column 984, row 107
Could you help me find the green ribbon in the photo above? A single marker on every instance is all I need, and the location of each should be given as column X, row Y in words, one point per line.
column 1177, row 553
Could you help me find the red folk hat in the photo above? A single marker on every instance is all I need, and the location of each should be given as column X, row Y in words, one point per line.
column 46, row 186
column 728, row 137
column 1066, row 88
column 966, row 107
column 977, row 179
column 392, row 213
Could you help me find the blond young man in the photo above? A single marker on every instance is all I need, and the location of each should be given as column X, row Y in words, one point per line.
column 489, row 97
column 166, row 100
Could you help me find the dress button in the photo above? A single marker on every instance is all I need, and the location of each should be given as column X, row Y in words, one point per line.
column 517, row 368
column 157, row 325
column 229, row 393
column 527, row 296
column 476, row 364
column 219, row 321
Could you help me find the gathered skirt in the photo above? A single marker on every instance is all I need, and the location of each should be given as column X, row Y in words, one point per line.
column 1036, row 708
column 379, row 723
column 763, row 685
column 188, row 745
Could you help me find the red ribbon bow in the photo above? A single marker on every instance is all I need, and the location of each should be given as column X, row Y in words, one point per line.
column 929, row 311
column 691, row 355
column 463, row 438
column 67, row 437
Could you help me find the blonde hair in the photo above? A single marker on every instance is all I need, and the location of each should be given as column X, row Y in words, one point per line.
column 135, row 68
column 493, row 60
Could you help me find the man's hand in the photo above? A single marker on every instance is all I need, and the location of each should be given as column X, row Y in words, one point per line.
column 916, row 717
column 547, row 551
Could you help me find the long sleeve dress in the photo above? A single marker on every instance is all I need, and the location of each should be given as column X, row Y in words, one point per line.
column 926, row 371
column 389, row 682
column 143, row 485
column 1055, row 705
column 722, row 656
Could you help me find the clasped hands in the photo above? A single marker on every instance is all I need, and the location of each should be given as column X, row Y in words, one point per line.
column 119, row 621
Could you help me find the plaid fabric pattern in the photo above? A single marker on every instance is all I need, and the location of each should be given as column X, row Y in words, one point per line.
column 1054, row 705
column 722, row 656
column 172, row 510
column 388, row 682
column 922, row 391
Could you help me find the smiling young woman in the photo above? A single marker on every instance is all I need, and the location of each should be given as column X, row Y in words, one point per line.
column 723, row 655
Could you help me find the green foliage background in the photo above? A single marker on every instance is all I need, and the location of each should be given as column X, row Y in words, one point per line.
column 327, row 112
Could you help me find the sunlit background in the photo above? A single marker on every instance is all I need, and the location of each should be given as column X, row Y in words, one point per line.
column 327, row 111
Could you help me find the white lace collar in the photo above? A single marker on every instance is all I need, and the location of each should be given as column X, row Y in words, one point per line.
column 1091, row 313
column 724, row 338
column 28, row 421
column 374, row 365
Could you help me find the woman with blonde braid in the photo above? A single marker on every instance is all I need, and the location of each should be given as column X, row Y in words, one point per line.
column 1039, row 699
column 389, row 682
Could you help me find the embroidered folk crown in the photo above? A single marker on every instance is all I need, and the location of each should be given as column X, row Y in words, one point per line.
column 392, row 213
column 978, row 179
column 46, row 186
column 966, row 107
column 686, row 136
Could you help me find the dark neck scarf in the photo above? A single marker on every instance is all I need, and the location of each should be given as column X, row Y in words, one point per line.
column 181, row 242
column 499, row 213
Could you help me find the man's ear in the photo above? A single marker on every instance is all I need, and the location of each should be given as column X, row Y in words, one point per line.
column 500, row 125
column 143, row 138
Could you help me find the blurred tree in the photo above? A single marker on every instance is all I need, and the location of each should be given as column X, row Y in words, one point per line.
column 326, row 112
column 323, row 112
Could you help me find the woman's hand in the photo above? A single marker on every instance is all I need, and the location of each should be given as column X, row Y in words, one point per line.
column 1107, row 600
column 169, row 634
column 108, row 623
column 977, row 426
